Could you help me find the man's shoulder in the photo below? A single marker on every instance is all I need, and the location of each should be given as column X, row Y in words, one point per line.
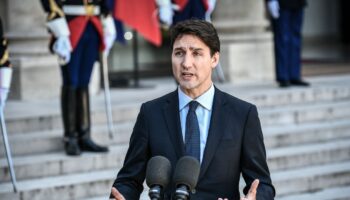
column 233, row 100
column 162, row 99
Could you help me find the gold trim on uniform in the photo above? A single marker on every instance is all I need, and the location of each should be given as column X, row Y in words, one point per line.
column 90, row 10
column 55, row 10
column 5, row 57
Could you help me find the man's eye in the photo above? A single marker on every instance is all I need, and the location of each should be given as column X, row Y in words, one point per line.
column 196, row 53
column 179, row 53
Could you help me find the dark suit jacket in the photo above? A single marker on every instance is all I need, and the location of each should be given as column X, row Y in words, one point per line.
column 234, row 145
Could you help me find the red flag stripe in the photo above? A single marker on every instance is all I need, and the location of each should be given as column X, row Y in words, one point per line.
column 141, row 16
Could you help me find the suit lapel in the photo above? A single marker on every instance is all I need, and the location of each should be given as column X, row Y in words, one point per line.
column 172, row 117
column 216, row 130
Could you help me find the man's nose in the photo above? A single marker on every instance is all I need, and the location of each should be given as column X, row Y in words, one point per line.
column 187, row 61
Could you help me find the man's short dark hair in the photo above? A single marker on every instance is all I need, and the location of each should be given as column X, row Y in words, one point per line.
column 200, row 28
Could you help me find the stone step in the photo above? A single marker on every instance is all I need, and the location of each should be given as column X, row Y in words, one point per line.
column 299, row 114
column 49, row 118
column 306, row 155
column 296, row 134
column 94, row 184
column 308, row 179
column 24, row 116
column 274, row 135
column 323, row 89
column 53, row 164
column 68, row 187
column 267, row 95
column 338, row 193
column 51, row 141
column 282, row 115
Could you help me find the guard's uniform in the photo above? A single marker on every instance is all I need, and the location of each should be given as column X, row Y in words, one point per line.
column 287, row 30
column 86, row 39
column 4, row 54
column 189, row 9
column 86, row 35
column 5, row 69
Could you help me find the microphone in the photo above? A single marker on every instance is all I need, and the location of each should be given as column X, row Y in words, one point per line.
column 157, row 176
column 186, row 177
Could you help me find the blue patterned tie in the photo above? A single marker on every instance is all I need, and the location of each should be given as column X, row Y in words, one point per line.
column 192, row 136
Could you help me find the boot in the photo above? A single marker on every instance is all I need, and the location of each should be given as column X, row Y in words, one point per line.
column 84, row 123
column 68, row 106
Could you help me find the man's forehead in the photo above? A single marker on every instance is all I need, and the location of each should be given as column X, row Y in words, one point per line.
column 187, row 36
column 189, row 42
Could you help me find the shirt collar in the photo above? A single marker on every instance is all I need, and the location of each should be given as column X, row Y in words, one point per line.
column 205, row 100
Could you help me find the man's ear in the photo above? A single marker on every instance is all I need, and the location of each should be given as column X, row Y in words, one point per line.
column 215, row 59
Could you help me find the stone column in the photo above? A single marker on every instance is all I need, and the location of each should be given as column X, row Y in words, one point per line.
column 36, row 71
column 246, row 45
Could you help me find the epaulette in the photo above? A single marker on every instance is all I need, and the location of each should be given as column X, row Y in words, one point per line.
column 5, row 56
column 56, row 11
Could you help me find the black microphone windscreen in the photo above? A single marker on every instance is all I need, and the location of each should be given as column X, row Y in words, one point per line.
column 187, row 172
column 158, row 171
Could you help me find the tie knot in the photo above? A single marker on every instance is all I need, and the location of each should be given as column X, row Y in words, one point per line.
column 193, row 106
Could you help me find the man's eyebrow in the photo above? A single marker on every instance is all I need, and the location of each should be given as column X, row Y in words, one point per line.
column 191, row 48
column 178, row 48
column 196, row 49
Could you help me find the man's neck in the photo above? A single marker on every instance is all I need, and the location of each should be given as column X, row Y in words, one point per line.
column 195, row 93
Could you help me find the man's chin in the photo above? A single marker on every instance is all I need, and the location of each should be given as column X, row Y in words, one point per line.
column 187, row 85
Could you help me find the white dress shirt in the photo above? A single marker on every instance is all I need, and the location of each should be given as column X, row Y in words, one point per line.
column 203, row 113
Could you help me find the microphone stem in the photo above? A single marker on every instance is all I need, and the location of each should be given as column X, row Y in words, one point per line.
column 155, row 192
column 182, row 192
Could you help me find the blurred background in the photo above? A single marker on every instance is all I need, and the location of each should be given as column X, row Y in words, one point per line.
column 244, row 29
column 306, row 130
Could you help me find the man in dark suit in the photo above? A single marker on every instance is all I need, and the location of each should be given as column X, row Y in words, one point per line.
column 229, row 142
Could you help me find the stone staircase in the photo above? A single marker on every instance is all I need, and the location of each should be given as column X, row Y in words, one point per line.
column 306, row 133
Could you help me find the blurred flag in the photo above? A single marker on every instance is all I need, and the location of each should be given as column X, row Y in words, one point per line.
column 142, row 16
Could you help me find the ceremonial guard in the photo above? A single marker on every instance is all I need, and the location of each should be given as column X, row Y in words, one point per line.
column 80, row 30
column 287, row 19
column 173, row 11
column 5, row 82
column 5, row 69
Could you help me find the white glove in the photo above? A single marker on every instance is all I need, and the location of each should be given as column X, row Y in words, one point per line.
column 274, row 8
column 109, row 32
column 211, row 7
column 58, row 27
column 5, row 82
column 63, row 48
column 166, row 12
